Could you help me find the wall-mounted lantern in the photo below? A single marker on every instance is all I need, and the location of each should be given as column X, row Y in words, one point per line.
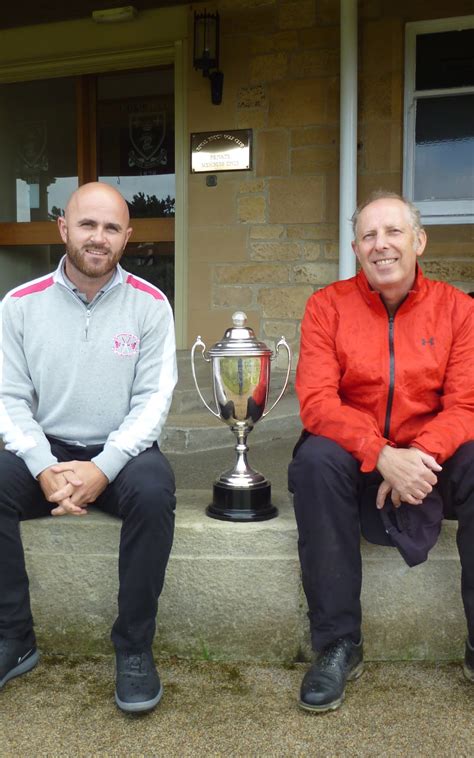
column 206, row 52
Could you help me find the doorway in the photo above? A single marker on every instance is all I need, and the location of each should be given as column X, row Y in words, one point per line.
column 58, row 134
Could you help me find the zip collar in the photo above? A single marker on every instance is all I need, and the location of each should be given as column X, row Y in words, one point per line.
column 374, row 300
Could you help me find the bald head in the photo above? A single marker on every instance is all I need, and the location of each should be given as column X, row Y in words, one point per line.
column 97, row 193
column 95, row 229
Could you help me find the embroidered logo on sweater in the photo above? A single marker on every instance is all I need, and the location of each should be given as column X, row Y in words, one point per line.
column 126, row 344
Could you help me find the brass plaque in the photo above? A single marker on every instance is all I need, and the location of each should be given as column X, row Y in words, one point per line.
column 229, row 150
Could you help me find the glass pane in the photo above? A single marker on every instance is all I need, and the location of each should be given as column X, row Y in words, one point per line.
column 22, row 263
column 38, row 152
column 136, row 139
column 445, row 59
column 444, row 148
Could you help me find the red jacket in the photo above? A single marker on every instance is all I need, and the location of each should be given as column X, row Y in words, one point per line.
column 365, row 380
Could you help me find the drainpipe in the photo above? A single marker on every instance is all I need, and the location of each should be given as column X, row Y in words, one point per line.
column 348, row 136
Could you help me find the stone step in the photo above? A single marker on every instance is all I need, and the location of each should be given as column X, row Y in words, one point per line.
column 200, row 430
column 233, row 591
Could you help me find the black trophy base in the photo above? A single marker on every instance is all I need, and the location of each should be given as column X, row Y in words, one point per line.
column 241, row 504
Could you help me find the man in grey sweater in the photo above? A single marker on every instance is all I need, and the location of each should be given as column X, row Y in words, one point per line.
column 88, row 367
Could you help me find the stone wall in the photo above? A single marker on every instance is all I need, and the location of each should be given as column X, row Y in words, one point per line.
column 263, row 240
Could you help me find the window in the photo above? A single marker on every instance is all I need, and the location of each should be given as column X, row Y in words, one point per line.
column 439, row 119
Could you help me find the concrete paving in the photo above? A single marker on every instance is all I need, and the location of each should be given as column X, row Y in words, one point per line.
column 65, row 708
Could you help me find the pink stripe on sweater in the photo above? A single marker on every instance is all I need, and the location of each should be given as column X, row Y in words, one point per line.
column 144, row 287
column 36, row 287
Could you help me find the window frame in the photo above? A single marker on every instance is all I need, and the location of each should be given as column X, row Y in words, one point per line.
column 436, row 211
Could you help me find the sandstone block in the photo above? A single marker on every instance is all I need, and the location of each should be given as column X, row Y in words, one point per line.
column 251, row 209
column 284, row 302
column 296, row 200
column 313, row 160
column 297, row 14
column 381, row 146
column 331, row 251
column 275, row 329
column 213, row 243
column 252, row 185
column 252, row 97
column 323, row 62
column 312, row 231
column 210, row 206
column 271, row 43
column 320, row 37
column 233, row 297
column 272, row 153
column 449, row 270
column 252, row 118
column 269, row 68
column 252, row 274
column 267, row 231
column 382, row 45
column 311, row 251
column 301, row 102
column 315, row 135
column 274, row 251
column 315, row 273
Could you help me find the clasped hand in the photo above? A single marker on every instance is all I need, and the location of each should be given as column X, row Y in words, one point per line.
column 408, row 475
column 73, row 486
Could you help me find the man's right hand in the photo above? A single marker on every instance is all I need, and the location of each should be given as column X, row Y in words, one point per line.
column 408, row 471
column 63, row 485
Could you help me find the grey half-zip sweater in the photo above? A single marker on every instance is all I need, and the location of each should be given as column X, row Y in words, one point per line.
column 98, row 374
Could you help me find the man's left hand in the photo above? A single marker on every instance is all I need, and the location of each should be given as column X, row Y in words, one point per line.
column 93, row 481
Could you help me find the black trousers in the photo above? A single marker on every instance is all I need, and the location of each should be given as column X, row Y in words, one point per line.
column 142, row 495
column 328, row 491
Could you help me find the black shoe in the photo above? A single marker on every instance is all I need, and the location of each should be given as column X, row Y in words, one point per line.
column 15, row 658
column 322, row 688
column 138, row 686
column 468, row 666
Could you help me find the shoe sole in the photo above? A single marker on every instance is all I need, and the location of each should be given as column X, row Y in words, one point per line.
column 140, row 707
column 354, row 674
column 22, row 668
column 468, row 672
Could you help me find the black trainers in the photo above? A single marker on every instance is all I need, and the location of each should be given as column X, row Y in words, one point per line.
column 468, row 666
column 322, row 688
column 138, row 686
column 15, row 658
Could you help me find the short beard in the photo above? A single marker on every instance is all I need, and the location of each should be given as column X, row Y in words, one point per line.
column 78, row 261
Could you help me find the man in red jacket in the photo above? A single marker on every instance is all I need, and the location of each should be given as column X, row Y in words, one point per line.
column 385, row 381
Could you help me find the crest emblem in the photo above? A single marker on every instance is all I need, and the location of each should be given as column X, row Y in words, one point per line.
column 126, row 344
column 32, row 141
column 147, row 133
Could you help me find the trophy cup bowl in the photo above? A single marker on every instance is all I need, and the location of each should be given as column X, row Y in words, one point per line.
column 241, row 384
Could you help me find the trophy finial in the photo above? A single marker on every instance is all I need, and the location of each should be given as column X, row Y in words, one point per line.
column 239, row 318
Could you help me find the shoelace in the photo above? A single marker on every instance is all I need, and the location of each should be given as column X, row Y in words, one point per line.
column 333, row 654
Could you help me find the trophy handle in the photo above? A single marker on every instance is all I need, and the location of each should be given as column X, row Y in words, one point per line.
column 281, row 343
column 200, row 343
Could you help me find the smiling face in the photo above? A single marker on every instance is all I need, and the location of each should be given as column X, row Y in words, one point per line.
column 387, row 247
column 95, row 230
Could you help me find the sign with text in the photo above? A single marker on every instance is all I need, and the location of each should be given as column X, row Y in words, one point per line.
column 221, row 151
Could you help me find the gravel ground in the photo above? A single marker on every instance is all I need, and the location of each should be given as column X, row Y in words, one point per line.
column 65, row 707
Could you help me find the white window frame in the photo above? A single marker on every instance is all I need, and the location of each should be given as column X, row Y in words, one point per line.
column 439, row 211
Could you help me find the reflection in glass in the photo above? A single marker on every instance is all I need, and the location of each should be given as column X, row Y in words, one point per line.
column 444, row 148
column 136, row 139
column 38, row 153
column 445, row 59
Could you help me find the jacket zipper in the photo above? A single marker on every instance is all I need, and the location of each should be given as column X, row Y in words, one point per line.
column 391, row 384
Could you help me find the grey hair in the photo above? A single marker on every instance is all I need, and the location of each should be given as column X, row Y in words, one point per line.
column 413, row 212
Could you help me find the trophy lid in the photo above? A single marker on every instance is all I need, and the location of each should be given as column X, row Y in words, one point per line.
column 239, row 340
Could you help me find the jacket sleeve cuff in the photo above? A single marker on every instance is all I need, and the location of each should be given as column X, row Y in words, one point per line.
column 111, row 461
column 38, row 459
column 372, row 452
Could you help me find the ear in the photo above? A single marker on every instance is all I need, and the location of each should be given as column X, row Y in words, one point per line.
column 127, row 236
column 355, row 248
column 62, row 228
column 422, row 239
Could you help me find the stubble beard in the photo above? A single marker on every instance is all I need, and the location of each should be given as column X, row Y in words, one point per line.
column 95, row 270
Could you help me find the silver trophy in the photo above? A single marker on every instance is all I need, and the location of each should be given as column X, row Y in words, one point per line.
column 241, row 384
